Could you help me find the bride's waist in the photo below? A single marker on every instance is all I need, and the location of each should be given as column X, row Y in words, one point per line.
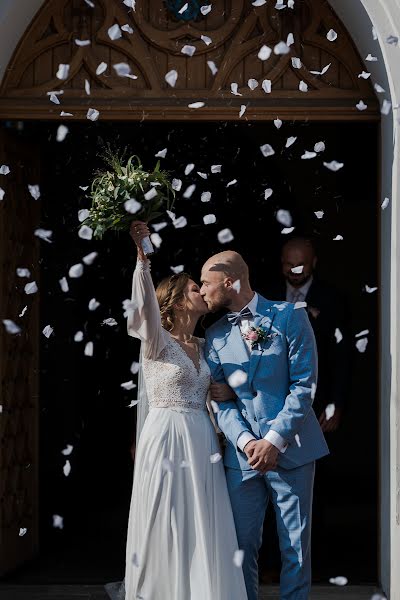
column 178, row 406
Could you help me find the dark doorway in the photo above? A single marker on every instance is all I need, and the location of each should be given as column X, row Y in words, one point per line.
column 82, row 403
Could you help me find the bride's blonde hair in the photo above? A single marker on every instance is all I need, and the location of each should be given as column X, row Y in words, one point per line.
column 170, row 291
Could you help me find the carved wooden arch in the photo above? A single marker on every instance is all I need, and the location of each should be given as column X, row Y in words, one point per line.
column 237, row 31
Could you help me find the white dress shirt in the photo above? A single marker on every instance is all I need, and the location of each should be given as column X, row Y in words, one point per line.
column 245, row 437
column 298, row 294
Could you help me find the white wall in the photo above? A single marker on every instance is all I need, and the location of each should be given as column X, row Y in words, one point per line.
column 357, row 16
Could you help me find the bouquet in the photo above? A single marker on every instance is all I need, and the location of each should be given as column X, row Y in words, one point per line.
column 124, row 190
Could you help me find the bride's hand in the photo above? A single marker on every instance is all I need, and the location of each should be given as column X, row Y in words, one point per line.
column 138, row 231
column 221, row 392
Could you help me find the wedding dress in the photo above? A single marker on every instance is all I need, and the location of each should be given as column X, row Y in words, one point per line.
column 181, row 537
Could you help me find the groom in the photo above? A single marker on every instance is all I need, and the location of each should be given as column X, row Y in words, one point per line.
column 272, row 432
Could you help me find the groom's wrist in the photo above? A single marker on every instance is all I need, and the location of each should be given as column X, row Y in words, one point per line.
column 244, row 438
column 276, row 440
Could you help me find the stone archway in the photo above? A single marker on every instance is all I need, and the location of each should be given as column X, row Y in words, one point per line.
column 358, row 17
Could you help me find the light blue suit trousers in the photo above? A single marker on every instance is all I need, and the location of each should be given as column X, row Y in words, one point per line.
column 290, row 491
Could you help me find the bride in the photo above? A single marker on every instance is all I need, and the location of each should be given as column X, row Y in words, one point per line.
column 181, row 539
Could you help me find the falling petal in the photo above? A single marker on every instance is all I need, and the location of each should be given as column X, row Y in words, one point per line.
column 93, row 304
column 371, row 58
column 386, row 107
column 62, row 133
column 85, row 232
column 58, row 522
column 338, row 335
column 339, row 581
column 364, row 75
column 11, row 327
column 78, row 337
column 205, row 9
column 216, row 168
column 167, row 465
column 252, row 83
column 264, row 53
column 287, row 230
column 132, row 206
column 127, row 28
column 54, row 99
column 92, row 114
column 171, row 77
column 331, row 36
column 214, row 458
column 196, row 104
column 268, row 193
column 22, row 531
column 179, row 223
column 156, row 239
column 290, row 141
column 290, row 39
column 75, row 271
column 237, row 378
column 209, row 219
column 278, row 123
column 188, row 50
column 177, row 269
column 324, row 70
column 385, row 203
column 361, row 106
column 189, row 191
column 284, row 217
column 177, row 184
column 267, row 86
column 307, row 155
column 110, row 322
column 31, row 288
column 303, row 87
column 338, row 238
column 150, row 194
column 114, row 32
column 212, row 66
column 236, row 286
column 87, row 87
column 89, row 349
column 128, row 385
column 393, row 40
column 296, row 63
column 207, row 40
column 63, row 71
column 259, row 2
column 64, row 284
column 319, row 147
column 243, row 109
column 379, row 89
column 370, row 290
column 281, row 48
column 362, row 333
column 34, row 191
column 234, row 89
column 82, row 42
column 44, row 234
column 333, row 165
column 329, row 411
column 298, row 305
column 225, row 236
column 90, row 258
column 23, row 272
column 267, row 150
column 66, row 114
column 101, row 68
column 133, row 403
column 159, row 226
column 47, row 331
column 67, row 468
column 238, row 558
column 319, row 214
column 230, row 183
column 2, row 193
column 298, row 269
column 205, row 196
column 161, row 153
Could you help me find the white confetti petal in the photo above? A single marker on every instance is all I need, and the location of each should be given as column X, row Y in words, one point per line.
column 338, row 335
column 177, row 184
column 252, row 83
column 362, row 333
column 87, row 87
column 188, row 50
column 298, row 269
column 267, row 150
column 22, row 272
column 371, row 58
column 319, row 147
column 281, row 48
column 2, row 193
column 78, row 337
column 207, row 40
column 361, row 105
column 130, row 4
column 212, row 66
column 62, row 133
column 237, row 286
column 324, row 70
column 209, row 219
column 331, row 36
column 189, row 191
column 171, row 77
column 238, row 558
column 196, row 104
column 290, row 141
column 385, row 203
column 205, row 9
column 296, row 62
column 334, row 165
column 31, row 288
column 66, row 114
column 90, row 258
column 230, row 183
column 114, row 32
column 132, row 206
column 150, row 194
column 287, row 230
column 89, row 349
column 93, row 304
column 237, row 378
column 23, row 311
column 290, row 39
column 22, row 531
column 267, row 86
column 278, row 123
column 339, row 581
column 135, row 366
column 159, row 226
column 386, row 107
column 338, row 238
column 177, row 269
column 205, row 196
column 64, row 284
column 44, row 234
column 11, row 327
column 47, row 331
column 308, row 155
column 127, row 28
column 259, row 2
column 284, row 217
column 110, row 322
column 364, row 75
column 58, row 522
column 75, row 271
column 189, row 168
column 329, row 411
column 92, row 114
column 268, row 193
column 161, row 153
column 63, row 71
column 370, row 290
column 34, row 191
column 54, row 99
column 303, row 87
column 319, row 214
column 82, row 42
column 67, row 450
column 225, row 236
column 234, row 89
column 179, row 223
column 216, row 168
column 85, row 232
column 67, row 468
column 102, row 67
column 393, row 40
column 128, row 385
column 215, row 458
column 243, row 109
column 122, row 69
column 156, row 239
column 379, row 89
column 264, row 53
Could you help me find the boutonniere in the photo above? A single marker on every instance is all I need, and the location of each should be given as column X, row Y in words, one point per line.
column 256, row 335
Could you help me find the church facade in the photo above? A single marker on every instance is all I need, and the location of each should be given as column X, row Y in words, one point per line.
column 37, row 36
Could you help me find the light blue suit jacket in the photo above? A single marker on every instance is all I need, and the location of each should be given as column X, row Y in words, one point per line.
column 281, row 381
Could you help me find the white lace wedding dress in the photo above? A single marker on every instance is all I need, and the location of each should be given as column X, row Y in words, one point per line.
column 181, row 536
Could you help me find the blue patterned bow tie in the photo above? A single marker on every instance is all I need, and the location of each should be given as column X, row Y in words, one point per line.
column 234, row 318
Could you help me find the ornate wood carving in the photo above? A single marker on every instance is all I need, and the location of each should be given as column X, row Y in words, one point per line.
column 19, row 216
column 237, row 31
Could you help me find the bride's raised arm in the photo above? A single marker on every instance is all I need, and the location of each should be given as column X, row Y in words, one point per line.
column 144, row 321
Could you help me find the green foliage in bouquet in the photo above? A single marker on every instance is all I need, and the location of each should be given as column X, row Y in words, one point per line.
column 122, row 181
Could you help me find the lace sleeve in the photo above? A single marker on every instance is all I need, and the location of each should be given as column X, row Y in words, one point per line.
column 144, row 321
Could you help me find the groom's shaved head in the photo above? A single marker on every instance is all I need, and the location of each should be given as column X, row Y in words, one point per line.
column 230, row 263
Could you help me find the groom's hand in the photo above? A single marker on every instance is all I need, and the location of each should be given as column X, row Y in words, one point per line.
column 264, row 456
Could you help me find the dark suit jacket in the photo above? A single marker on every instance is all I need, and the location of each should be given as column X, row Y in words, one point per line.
column 327, row 310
